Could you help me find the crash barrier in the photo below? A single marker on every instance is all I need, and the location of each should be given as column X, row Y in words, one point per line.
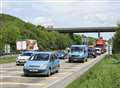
column 4, row 54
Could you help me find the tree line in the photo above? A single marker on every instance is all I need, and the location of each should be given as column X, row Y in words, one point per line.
column 13, row 29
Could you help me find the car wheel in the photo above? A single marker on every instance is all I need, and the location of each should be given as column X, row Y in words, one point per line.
column 70, row 61
column 94, row 56
column 49, row 73
column 17, row 64
column 83, row 60
column 57, row 69
column 26, row 75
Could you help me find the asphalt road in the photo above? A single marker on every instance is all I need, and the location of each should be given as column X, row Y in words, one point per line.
column 11, row 76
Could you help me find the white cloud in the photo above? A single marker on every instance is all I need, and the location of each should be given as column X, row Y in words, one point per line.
column 92, row 11
column 45, row 21
column 68, row 13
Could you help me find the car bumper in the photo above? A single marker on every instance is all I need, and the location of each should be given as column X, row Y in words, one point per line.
column 76, row 59
column 20, row 63
column 35, row 72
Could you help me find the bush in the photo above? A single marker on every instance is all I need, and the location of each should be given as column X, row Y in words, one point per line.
column 116, row 41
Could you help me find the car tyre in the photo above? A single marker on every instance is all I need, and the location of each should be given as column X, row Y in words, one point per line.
column 83, row 60
column 57, row 69
column 17, row 65
column 49, row 73
column 26, row 75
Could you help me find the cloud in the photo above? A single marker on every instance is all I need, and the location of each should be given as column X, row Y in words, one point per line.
column 80, row 11
column 45, row 21
column 66, row 13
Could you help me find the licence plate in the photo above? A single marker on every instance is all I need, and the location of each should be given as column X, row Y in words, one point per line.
column 75, row 59
column 33, row 70
column 22, row 61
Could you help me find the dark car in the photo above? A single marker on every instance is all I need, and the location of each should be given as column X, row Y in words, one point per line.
column 92, row 52
column 61, row 54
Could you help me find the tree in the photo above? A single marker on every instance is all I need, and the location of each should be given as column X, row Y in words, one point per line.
column 116, row 40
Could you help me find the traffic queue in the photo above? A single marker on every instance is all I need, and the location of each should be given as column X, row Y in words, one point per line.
column 48, row 62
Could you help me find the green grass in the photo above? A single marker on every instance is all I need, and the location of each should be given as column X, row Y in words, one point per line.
column 7, row 59
column 105, row 74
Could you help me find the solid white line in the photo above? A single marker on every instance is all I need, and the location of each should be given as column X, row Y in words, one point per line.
column 30, row 84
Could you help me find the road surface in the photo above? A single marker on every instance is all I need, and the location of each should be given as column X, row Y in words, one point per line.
column 11, row 76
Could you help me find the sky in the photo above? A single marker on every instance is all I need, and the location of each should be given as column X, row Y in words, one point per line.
column 66, row 13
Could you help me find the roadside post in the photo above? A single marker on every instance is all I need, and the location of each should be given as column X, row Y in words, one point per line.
column 84, row 40
column 110, row 50
column 7, row 48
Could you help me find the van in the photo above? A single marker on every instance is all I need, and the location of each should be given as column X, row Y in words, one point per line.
column 41, row 63
column 78, row 53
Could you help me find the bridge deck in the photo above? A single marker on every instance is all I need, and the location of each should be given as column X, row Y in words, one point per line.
column 83, row 29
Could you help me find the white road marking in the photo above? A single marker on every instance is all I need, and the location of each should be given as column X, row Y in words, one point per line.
column 2, row 71
column 30, row 84
column 52, row 77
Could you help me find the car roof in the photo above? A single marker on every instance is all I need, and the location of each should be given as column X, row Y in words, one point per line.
column 45, row 52
column 30, row 52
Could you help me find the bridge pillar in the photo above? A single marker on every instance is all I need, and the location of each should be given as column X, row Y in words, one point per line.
column 98, row 34
column 71, row 35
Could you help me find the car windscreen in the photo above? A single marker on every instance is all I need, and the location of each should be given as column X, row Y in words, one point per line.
column 76, row 49
column 26, row 54
column 60, row 53
column 39, row 57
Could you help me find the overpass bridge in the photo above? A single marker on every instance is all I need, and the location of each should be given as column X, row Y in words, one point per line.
column 84, row 29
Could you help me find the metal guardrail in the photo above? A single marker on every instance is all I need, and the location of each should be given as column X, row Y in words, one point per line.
column 5, row 54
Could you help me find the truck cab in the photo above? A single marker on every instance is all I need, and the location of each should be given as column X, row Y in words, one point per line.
column 78, row 53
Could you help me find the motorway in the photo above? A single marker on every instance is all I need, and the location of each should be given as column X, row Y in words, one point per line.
column 11, row 76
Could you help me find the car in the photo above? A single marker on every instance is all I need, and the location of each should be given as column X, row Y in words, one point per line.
column 98, row 50
column 78, row 53
column 42, row 63
column 61, row 54
column 22, row 58
column 92, row 52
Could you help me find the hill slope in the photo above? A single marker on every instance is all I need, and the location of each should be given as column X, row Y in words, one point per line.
column 13, row 29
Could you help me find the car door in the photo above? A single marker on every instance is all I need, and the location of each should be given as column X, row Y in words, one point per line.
column 56, row 61
column 52, row 61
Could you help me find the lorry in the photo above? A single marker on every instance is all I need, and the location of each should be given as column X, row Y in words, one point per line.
column 100, row 43
column 78, row 53
column 26, row 45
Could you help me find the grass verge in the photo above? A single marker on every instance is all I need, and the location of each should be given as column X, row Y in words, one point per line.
column 8, row 59
column 105, row 74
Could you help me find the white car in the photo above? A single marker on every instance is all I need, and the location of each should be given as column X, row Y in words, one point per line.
column 22, row 58
column 98, row 50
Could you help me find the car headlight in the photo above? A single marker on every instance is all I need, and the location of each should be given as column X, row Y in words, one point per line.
column 25, row 66
column 17, row 59
column 62, row 55
column 43, row 66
